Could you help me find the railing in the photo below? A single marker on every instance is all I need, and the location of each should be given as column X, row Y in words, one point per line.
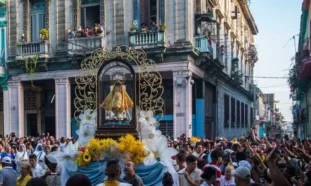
column 29, row 49
column 85, row 44
column 202, row 45
column 148, row 38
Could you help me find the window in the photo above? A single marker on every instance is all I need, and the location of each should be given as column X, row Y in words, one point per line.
column 90, row 13
column 37, row 18
column 238, row 109
column 243, row 116
column 150, row 10
column 226, row 109
column 246, row 115
column 232, row 112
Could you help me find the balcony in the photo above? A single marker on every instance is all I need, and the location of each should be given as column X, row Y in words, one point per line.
column 147, row 39
column 202, row 45
column 85, row 45
column 25, row 50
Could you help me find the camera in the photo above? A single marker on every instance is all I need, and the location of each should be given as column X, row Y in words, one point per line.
column 191, row 81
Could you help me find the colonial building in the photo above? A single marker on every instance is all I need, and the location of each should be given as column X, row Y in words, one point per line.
column 299, row 77
column 3, row 72
column 204, row 50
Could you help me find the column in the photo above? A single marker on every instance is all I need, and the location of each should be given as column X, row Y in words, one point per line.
column 62, row 108
column 182, row 104
column 6, row 111
column 16, row 109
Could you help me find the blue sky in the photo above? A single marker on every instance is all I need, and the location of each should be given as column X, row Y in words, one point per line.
column 278, row 21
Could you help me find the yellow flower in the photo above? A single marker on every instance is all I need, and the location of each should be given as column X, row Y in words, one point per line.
column 106, row 143
column 86, row 156
column 135, row 148
column 80, row 160
column 94, row 144
column 194, row 139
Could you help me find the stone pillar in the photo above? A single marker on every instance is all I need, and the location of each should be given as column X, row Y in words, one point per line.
column 16, row 109
column 62, row 108
column 182, row 104
column 6, row 109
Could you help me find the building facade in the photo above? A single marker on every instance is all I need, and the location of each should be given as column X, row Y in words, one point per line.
column 299, row 77
column 3, row 70
column 204, row 50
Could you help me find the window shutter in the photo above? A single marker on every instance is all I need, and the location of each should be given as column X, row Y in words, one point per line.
column 136, row 13
column 162, row 11
column 34, row 27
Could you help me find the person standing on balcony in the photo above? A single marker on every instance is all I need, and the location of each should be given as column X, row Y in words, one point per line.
column 144, row 27
column 154, row 27
column 209, row 35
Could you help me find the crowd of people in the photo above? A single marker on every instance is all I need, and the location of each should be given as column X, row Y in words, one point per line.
column 86, row 32
column 247, row 161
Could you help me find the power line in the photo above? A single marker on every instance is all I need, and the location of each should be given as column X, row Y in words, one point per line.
column 274, row 86
column 267, row 77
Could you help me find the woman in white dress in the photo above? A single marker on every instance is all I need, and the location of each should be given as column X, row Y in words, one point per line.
column 40, row 155
column 21, row 156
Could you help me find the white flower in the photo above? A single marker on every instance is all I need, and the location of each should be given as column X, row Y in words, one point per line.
column 88, row 116
column 149, row 131
column 67, row 158
column 159, row 151
column 146, row 118
column 86, row 132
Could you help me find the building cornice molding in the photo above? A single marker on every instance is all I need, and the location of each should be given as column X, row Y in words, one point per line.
column 248, row 16
column 61, row 74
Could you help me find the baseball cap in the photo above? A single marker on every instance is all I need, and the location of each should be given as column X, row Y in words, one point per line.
column 242, row 172
column 6, row 160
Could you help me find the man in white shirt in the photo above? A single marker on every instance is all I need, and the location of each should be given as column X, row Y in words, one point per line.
column 191, row 175
column 36, row 169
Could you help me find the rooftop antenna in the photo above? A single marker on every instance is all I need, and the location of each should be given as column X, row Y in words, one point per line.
column 292, row 38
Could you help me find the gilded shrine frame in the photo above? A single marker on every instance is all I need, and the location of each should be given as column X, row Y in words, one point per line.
column 148, row 80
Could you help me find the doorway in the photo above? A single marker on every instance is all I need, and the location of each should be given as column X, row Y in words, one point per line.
column 50, row 125
column 32, row 125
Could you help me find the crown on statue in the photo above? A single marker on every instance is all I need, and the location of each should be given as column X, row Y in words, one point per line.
column 118, row 77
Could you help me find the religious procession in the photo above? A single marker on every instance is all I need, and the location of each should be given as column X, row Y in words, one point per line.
column 155, row 93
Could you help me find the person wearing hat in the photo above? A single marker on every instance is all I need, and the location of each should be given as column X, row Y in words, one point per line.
column 8, row 175
column 209, row 176
column 52, row 174
column 242, row 176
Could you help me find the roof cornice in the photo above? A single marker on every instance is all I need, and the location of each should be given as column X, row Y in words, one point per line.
column 248, row 16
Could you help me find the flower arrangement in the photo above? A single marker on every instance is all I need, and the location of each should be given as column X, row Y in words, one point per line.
column 134, row 148
column 100, row 150
column 162, row 27
column 194, row 140
column 44, row 33
column 134, row 28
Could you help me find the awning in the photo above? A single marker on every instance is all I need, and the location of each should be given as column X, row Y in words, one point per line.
column 2, row 2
